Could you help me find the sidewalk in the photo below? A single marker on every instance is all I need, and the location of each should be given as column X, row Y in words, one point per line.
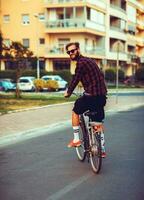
column 36, row 118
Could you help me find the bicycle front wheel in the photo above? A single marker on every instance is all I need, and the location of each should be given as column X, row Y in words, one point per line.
column 95, row 152
column 81, row 149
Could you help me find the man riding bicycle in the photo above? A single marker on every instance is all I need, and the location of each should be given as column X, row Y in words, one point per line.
column 94, row 99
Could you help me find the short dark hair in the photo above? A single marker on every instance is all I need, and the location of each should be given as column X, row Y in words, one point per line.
column 72, row 43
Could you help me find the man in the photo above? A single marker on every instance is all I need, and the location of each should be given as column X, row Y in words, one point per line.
column 94, row 98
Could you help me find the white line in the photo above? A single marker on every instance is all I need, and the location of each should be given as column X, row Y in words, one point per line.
column 59, row 194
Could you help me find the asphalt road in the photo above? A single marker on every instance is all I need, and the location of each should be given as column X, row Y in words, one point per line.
column 43, row 168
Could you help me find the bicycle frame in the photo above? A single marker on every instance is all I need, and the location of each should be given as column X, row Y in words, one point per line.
column 90, row 141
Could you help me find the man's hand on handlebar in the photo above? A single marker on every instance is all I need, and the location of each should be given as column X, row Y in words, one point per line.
column 66, row 95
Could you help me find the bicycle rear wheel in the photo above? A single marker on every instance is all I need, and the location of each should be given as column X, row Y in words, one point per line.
column 81, row 149
column 95, row 153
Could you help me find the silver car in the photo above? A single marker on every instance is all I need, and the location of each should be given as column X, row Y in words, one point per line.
column 61, row 82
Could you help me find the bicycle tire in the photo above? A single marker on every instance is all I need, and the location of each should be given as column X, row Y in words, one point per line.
column 81, row 150
column 95, row 152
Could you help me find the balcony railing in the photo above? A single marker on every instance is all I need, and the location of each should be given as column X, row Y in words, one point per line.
column 114, row 28
column 140, row 22
column 113, row 55
column 137, row 4
column 65, row 23
column 99, row 3
column 95, row 51
column 140, row 40
column 75, row 23
column 84, row 49
column 117, row 8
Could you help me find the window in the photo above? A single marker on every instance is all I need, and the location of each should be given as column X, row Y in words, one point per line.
column 41, row 17
column 26, row 43
column 42, row 41
column 97, row 16
column 6, row 18
column 25, row 19
column 122, row 24
column 62, row 42
column 131, row 12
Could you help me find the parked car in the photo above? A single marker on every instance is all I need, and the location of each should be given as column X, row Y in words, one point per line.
column 25, row 83
column 62, row 84
column 7, row 85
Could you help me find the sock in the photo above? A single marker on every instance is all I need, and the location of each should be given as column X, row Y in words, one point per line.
column 76, row 133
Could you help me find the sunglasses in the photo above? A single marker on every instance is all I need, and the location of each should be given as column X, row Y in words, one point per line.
column 71, row 51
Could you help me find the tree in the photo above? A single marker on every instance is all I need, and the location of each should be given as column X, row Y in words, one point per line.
column 1, row 42
column 18, row 55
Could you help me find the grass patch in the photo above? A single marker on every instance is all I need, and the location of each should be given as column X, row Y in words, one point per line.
column 8, row 102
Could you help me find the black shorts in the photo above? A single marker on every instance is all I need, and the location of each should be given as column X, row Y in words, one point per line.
column 93, row 104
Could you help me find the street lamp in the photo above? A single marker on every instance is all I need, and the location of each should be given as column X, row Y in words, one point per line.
column 117, row 71
column 117, row 46
column 37, row 48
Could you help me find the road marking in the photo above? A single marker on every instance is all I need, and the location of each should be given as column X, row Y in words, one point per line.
column 59, row 194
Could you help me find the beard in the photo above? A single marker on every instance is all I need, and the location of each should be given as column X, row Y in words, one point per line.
column 75, row 57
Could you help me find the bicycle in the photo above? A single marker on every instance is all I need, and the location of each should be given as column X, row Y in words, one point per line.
column 90, row 136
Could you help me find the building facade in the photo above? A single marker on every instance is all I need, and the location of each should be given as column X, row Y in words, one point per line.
column 109, row 31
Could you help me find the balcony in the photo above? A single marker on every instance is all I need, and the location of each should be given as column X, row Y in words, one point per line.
column 140, row 24
column 99, row 51
column 117, row 33
column 57, row 52
column 118, row 29
column 137, row 4
column 118, row 12
column 112, row 55
column 74, row 25
column 56, row 3
column 140, row 41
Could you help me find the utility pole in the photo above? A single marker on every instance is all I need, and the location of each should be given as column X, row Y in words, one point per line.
column 117, row 71
column 37, row 47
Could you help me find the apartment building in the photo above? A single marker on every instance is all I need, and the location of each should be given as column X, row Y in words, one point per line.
column 108, row 30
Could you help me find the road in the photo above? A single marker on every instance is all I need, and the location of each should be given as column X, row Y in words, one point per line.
column 43, row 168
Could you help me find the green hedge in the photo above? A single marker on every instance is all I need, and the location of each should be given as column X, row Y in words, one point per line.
column 140, row 74
column 110, row 74
column 11, row 74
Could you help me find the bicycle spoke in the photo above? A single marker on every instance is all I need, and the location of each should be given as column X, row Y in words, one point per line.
column 95, row 153
column 81, row 150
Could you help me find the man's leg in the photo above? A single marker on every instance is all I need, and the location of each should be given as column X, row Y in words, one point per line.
column 75, row 119
column 75, row 124
column 79, row 108
column 98, row 107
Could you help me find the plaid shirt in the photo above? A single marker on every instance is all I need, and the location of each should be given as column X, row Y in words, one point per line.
column 90, row 76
